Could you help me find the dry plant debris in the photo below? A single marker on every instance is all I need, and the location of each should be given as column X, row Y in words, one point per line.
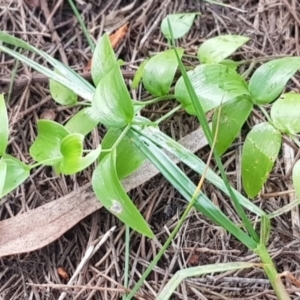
column 272, row 25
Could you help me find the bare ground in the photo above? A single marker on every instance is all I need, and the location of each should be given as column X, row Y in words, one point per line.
column 272, row 25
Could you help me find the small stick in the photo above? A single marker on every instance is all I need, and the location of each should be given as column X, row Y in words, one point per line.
column 90, row 251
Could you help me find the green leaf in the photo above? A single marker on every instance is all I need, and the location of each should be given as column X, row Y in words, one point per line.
column 230, row 63
column 84, row 121
column 104, row 59
column 3, row 170
column 72, row 149
column 62, row 94
column 259, row 153
column 269, row 80
column 46, row 147
column 296, row 178
column 112, row 101
column 180, row 24
column 159, row 72
column 16, row 174
column 233, row 115
column 220, row 47
column 285, row 113
column 139, row 74
column 129, row 157
column 3, row 126
column 112, row 195
column 214, row 84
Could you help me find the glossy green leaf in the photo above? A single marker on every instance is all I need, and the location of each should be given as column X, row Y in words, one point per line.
column 84, row 121
column 62, row 94
column 69, row 78
column 268, row 81
column 46, row 147
column 159, row 72
column 3, row 126
column 129, row 158
column 230, row 63
column 139, row 74
column 72, row 149
column 112, row 195
column 214, row 84
column 16, row 174
column 285, row 113
column 112, row 101
column 233, row 115
column 220, row 47
column 104, row 59
column 259, row 153
column 296, row 178
column 3, row 170
column 180, row 24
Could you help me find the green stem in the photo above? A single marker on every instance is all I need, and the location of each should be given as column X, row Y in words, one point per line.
column 118, row 140
column 271, row 272
column 263, row 110
column 127, row 249
column 155, row 100
column 167, row 115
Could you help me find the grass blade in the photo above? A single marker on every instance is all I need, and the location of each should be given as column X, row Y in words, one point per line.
column 202, row 119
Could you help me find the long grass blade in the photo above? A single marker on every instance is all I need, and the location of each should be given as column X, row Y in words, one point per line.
column 191, row 160
column 186, row 188
column 202, row 119
column 179, row 276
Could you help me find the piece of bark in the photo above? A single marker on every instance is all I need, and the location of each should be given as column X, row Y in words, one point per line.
column 39, row 227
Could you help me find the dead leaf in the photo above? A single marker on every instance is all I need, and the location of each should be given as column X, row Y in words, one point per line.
column 118, row 36
column 115, row 40
column 291, row 277
column 194, row 260
column 39, row 227
column 62, row 273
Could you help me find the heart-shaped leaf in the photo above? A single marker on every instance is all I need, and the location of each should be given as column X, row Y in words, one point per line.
column 285, row 113
column 112, row 101
column 129, row 157
column 159, row 72
column 214, row 84
column 46, row 147
column 16, row 174
column 180, row 24
column 259, row 153
column 84, row 121
column 220, row 47
column 72, row 149
column 104, row 59
column 268, row 81
column 139, row 74
column 62, row 94
column 233, row 115
column 112, row 195
column 3, row 126
column 296, row 178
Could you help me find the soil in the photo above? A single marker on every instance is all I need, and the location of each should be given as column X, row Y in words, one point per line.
column 273, row 29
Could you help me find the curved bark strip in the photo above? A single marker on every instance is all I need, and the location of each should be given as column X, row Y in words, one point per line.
column 41, row 226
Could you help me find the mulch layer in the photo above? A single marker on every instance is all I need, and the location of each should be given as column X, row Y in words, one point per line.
column 273, row 27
